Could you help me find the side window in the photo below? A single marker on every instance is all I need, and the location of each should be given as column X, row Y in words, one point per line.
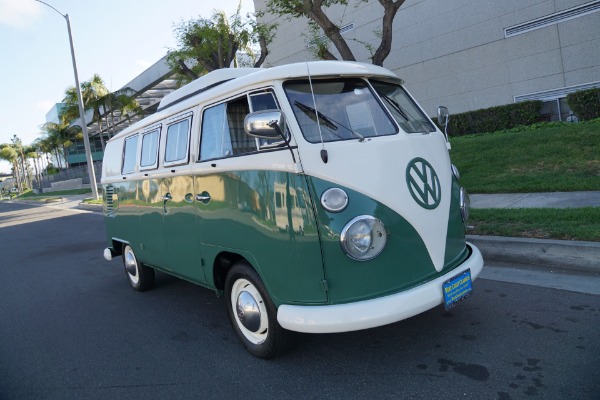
column 177, row 141
column 215, row 134
column 149, row 149
column 223, row 131
column 129, row 155
column 265, row 101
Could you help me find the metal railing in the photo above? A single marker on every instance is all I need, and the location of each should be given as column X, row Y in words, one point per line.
column 45, row 181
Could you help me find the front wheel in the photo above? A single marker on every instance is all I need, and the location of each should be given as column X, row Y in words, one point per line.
column 140, row 276
column 252, row 313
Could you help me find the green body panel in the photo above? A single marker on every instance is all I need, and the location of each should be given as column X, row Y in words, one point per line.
column 183, row 233
column 270, row 219
column 264, row 216
column 151, row 232
column 404, row 263
column 456, row 249
column 268, row 215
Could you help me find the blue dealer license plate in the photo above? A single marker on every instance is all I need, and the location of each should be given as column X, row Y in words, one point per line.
column 457, row 289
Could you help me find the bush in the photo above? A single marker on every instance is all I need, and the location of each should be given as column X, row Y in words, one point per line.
column 495, row 118
column 585, row 103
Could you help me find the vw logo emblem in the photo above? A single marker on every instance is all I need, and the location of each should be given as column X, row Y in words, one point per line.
column 423, row 183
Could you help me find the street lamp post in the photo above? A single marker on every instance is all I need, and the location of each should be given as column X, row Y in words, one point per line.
column 86, row 139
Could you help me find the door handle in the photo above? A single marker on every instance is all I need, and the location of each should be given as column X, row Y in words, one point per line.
column 167, row 197
column 203, row 197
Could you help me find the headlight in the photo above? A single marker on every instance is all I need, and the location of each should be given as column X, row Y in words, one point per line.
column 334, row 200
column 465, row 204
column 363, row 238
column 455, row 172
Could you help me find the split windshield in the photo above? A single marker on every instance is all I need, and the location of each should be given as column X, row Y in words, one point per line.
column 347, row 109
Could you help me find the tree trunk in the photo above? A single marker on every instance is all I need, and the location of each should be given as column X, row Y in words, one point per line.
column 315, row 12
column 264, row 52
column 390, row 9
column 99, row 122
column 66, row 155
column 37, row 176
column 17, row 175
column 57, row 154
column 186, row 71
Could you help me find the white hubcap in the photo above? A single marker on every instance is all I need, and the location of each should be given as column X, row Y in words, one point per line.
column 246, row 302
column 131, row 265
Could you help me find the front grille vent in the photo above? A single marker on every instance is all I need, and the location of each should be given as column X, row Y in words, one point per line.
column 109, row 205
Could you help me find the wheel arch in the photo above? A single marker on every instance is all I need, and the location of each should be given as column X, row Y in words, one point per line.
column 222, row 263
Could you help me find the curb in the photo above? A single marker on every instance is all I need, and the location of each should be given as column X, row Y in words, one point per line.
column 574, row 255
column 90, row 207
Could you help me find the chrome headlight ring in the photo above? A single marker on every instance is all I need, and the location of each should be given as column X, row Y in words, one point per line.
column 363, row 238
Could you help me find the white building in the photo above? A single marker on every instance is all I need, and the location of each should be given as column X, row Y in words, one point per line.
column 469, row 54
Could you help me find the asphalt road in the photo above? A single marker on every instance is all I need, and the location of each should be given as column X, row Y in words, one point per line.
column 72, row 328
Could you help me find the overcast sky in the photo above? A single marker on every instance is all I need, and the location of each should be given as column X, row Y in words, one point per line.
column 117, row 39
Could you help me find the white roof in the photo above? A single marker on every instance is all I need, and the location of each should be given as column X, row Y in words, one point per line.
column 232, row 79
column 204, row 83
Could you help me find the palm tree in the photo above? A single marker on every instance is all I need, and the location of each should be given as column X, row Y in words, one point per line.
column 31, row 152
column 17, row 144
column 61, row 136
column 122, row 100
column 8, row 153
column 93, row 93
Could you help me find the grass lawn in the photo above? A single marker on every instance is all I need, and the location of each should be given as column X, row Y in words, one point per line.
column 544, row 158
column 541, row 223
column 29, row 195
column 548, row 159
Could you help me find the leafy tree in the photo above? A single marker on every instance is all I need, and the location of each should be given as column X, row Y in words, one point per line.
column 314, row 10
column 207, row 44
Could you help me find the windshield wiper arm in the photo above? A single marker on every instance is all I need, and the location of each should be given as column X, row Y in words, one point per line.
column 309, row 110
column 395, row 105
column 330, row 123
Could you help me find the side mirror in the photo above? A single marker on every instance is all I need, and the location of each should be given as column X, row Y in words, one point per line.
column 267, row 124
column 443, row 118
column 442, row 114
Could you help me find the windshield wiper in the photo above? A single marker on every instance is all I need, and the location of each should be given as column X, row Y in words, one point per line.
column 309, row 110
column 395, row 105
column 328, row 122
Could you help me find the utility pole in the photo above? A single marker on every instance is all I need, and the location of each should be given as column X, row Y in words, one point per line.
column 86, row 139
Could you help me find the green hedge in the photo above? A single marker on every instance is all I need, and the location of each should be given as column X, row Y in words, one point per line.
column 585, row 103
column 495, row 118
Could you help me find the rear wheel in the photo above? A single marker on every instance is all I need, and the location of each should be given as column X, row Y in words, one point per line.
column 252, row 313
column 140, row 276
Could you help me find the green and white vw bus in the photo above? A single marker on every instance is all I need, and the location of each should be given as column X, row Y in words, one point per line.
column 318, row 197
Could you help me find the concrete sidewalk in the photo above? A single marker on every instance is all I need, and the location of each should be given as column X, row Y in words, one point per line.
column 536, row 200
column 565, row 254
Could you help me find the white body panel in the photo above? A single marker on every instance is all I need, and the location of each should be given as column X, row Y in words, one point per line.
column 365, row 167
column 376, row 312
